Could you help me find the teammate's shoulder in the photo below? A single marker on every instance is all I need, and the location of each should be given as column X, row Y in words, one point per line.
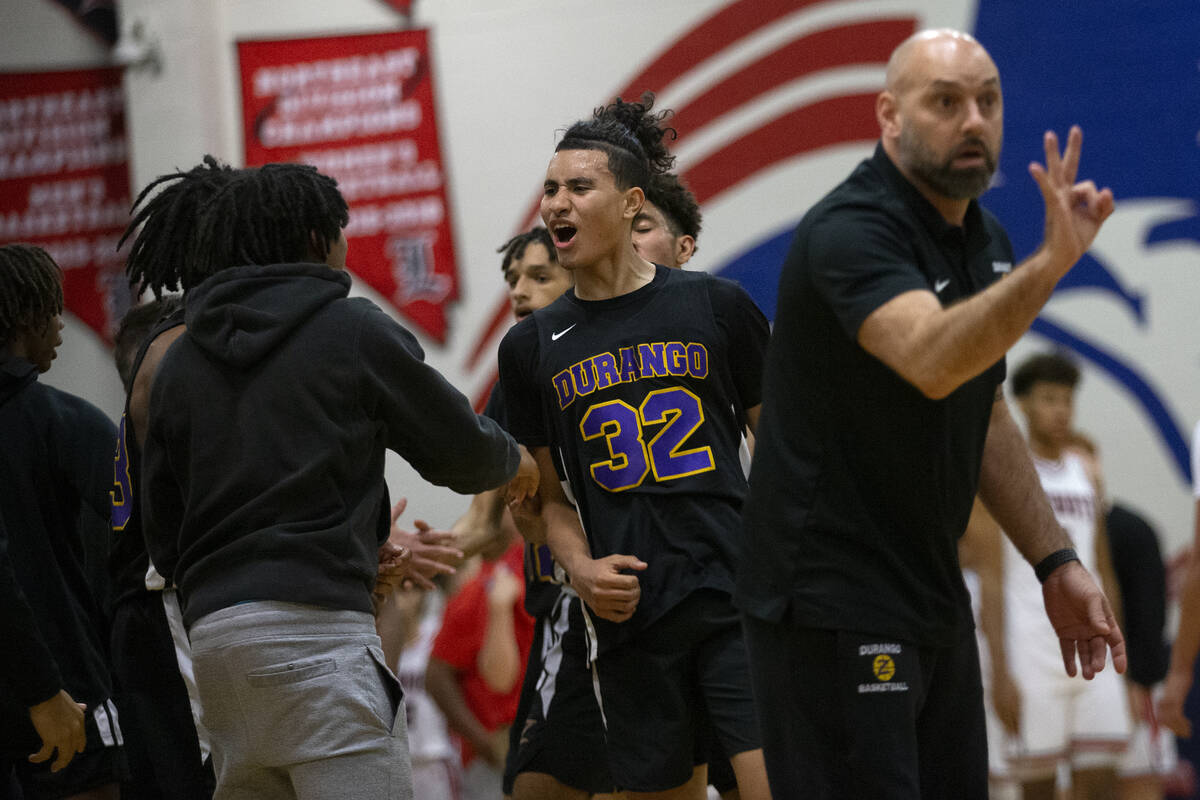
column 523, row 334
column 80, row 411
column 725, row 291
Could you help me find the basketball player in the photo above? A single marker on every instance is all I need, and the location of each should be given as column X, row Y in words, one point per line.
column 665, row 232
column 666, row 229
column 636, row 385
column 168, row 748
column 1187, row 638
column 56, row 467
column 1085, row 722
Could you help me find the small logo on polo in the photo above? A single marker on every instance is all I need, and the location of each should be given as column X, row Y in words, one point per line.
column 942, row 284
column 554, row 337
column 883, row 667
column 1001, row 267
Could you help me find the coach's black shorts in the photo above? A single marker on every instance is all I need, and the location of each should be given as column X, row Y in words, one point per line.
column 848, row 715
column 658, row 688
column 558, row 730
column 102, row 761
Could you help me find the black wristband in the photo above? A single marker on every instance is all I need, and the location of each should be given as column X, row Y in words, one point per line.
column 1053, row 562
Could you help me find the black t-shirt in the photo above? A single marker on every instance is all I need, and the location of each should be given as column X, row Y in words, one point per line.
column 861, row 485
column 542, row 588
column 642, row 400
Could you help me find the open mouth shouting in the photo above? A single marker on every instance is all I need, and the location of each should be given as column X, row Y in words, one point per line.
column 563, row 233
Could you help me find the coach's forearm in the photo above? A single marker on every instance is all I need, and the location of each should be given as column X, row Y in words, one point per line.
column 1010, row 488
column 939, row 349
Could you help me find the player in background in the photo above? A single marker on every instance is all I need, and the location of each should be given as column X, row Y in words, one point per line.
column 638, row 382
column 169, row 751
column 56, row 467
column 667, row 227
column 666, row 231
column 1187, row 638
column 1086, row 723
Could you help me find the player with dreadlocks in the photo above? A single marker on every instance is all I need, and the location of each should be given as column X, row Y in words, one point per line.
column 638, row 382
column 166, row 745
column 264, row 496
column 56, row 467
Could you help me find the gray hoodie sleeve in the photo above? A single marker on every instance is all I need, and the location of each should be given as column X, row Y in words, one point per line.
column 427, row 421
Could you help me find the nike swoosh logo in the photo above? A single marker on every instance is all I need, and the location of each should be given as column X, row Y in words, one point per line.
column 554, row 337
column 939, row 285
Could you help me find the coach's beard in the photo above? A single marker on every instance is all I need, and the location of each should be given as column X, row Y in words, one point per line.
column 958, row 183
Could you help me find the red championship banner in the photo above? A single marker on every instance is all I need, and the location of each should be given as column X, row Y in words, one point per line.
column 360, row 109
column 64, row 182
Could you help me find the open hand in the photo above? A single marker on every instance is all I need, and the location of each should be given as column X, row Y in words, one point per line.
column 1083, row 620
column 431, row 551
column 1074, row 211
column 1170, row 703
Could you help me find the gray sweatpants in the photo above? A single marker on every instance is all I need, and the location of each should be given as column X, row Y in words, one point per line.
column 300, row 704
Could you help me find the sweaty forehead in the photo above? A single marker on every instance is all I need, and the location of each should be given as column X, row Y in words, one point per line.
column 568, row 164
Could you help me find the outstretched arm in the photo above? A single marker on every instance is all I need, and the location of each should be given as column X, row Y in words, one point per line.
column 1078, row 610
column 938, row 349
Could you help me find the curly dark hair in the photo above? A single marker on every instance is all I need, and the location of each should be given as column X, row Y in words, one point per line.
column 163, row 255
column 1044, row 368
column 30, row 290
column 514, row 248
column 274, row 214
column 677, row 203
column 632, row 137
column 213, row 217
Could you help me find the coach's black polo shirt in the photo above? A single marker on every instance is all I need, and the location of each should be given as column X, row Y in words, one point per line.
column 861, row 486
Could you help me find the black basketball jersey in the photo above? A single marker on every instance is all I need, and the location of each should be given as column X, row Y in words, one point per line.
column 128, row 561
column 642, row 400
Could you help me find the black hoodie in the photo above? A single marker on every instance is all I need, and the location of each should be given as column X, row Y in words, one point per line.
column 56, row 469
column 263, row 464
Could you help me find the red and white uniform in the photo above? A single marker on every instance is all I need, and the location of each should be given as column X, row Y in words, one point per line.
column 1087, row 721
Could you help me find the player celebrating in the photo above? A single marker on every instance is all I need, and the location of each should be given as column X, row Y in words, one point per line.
column 639, row 382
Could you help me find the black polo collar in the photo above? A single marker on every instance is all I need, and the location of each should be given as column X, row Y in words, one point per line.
column 973, row 233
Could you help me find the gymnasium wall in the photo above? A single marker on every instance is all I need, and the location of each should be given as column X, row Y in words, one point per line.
column 774, row 102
